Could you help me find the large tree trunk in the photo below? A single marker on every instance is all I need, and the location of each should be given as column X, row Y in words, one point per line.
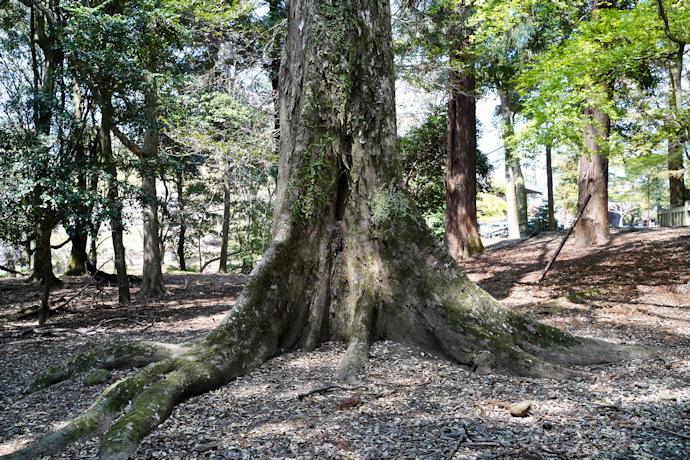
column 461, row 236
column 350, row 258
column 76, row 265
column 152, row 275
column 593, row 226
column 42, row 34
column 676, row 169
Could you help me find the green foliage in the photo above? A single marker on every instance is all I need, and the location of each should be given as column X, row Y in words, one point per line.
column 389, row 202
column 423, row 153
column 490, row 207
column 616, row 46
column 437, row 223
column 540, row 220
column 38, row 178
column 308, row 193
column 215, row 137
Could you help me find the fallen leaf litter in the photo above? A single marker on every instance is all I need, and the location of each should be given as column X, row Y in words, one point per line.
column 407, row 404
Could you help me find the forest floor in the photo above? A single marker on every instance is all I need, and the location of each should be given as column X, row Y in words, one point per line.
column 409, row 405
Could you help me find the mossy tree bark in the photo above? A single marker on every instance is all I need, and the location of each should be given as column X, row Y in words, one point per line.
column 350, row 259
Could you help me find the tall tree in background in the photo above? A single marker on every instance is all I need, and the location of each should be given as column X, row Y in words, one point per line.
column 593, row 226
column 516, row 193
column 676, row 167
column 571, row 96
column 461, row 235
column 678, row 130
column 442, row 31
column 44, row 22
column 549, row 188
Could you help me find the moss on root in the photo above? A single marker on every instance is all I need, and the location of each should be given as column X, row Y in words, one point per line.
column 112, row 357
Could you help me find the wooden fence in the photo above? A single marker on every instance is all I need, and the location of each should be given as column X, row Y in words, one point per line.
column 674, row 217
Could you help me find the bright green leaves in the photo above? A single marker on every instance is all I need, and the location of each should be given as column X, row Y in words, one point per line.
column 616, row 47
column 389, row 203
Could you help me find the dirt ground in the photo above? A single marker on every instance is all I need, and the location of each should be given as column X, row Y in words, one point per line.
column 636, row 290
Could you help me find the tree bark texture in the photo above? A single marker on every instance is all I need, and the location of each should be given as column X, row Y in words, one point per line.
column 676, row 168
column 549, row 190
column 593, row 175
column 182, row 237
column 350, row 258
column 593, row 226
column 461, row 235
column 48, row 222
column 44, row 36
column 225, row 232
column 152, row 275
column 516, row 194
column 115, row 204
column 76, row 264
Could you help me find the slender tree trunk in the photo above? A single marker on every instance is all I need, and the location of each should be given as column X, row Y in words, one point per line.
column 549, row 189
column 676, row 167
column 96, row 155
column 520, row 197
column 47, row 277
column 351, row 259
column 593, row 226
column 93, row 245
column 516, row 196
column 276, row 14
column 461, row 235
column 152, row 276
column 76, row 265
column 225, row 233
column 116, row 225
column 182, row 238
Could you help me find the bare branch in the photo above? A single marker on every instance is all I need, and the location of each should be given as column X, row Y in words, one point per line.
column 47, row 14
column 667, row 28
column 130, row 144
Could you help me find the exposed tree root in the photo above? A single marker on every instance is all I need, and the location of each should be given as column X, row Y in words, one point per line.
column 462, row 323
column 113, row 357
